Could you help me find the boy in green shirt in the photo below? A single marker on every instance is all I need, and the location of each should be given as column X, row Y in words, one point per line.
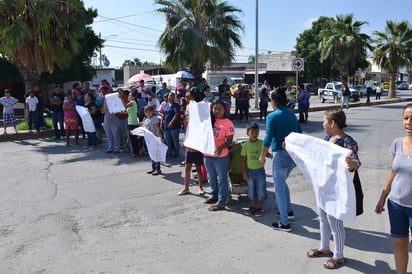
column 253, row 171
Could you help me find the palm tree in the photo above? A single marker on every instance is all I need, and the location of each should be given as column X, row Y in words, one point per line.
column 344, row 44
column 393, row 50
column 36, row 35
column 198, row 32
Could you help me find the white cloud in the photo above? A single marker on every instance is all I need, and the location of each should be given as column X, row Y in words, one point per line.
column 308, row 23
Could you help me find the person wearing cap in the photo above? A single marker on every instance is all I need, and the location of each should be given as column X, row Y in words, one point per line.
column 56, row 106
column 8, row 112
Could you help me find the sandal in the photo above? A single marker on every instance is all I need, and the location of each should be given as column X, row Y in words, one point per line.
column 334, row 263
column 211, row 200
column 216, row 207
column 183, row 192
column 316, row 253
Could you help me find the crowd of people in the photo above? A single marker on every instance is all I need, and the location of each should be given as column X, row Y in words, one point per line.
column 165, row 114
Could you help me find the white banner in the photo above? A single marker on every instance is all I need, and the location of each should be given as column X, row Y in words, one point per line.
column 199, row 132
column 88, row 124
column 325, row 167
column 114, row 103
column 157, row 150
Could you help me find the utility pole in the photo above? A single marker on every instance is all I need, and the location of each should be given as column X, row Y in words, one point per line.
column 100, row 52
column 256, row 55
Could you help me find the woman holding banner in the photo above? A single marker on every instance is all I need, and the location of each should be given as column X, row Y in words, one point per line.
column 334, row 121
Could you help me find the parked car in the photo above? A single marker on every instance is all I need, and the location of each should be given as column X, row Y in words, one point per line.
column 333, row 92
column 236, row 87
column 403, row 85
column 311, row 88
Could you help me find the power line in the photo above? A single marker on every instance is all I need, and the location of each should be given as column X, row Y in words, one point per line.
column 118, row 47
column 128, row 23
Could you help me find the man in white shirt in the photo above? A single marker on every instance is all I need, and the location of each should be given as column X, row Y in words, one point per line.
column 142, row 89
column 31, row 104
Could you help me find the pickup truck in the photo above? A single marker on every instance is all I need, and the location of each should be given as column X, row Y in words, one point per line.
column 332, row 92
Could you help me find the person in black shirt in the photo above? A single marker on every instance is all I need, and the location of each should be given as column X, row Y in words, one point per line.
column 56, row 106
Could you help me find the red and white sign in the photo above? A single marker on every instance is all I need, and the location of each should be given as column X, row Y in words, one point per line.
column 298, row 64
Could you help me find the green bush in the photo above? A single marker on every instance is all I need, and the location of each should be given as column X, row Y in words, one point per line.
column 48, row 123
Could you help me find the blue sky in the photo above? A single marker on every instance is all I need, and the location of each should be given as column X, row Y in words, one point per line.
column 131, row 28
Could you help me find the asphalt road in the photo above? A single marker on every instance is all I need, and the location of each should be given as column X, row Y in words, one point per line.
column 69, row 210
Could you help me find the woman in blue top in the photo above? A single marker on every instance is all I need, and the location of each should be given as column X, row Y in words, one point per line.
column 279, row 124
column 399, row 189
column 171, row 126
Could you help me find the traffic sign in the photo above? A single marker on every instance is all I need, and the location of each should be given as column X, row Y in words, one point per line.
column 298, row 64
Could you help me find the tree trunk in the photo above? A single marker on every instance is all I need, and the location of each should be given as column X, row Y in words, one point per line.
column 29, row 78
column 197, row 71
column 392, row 86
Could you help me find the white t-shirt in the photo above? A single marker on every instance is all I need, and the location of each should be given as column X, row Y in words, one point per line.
column 32, row 103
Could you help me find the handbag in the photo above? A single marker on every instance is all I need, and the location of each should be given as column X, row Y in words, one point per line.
column 358, row 193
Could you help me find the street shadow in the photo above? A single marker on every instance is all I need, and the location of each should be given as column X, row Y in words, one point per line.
column 361, row 267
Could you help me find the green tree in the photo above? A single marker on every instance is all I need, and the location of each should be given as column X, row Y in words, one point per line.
column 344, row 43
column 251, row 59
column 39, row 35
column 307, row 47
column 198, row 32
column 393, row 50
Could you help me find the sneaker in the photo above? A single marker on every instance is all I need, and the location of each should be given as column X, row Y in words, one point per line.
column 55, row 138
column 291, row 215
column 61, row 137
column 251, row 211
column 150, row 171
column 280, row 226
column 259, row 212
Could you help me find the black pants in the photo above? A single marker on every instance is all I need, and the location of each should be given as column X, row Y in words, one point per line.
column 368, row 95
column 137, row 141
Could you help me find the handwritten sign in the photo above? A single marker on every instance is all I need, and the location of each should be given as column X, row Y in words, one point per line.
column 199, row 132
column 157, row 150
column 324, row 166
column 88, row 124
column 114, row 103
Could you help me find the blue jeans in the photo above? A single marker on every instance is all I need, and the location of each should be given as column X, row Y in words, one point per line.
column 33, row 119
column 345, row 101
column 257, row 184
column 91, row 139
column 282, row 166
column 155, row 165
column 303, row 111
column 58, row 119
column 400, row 219
column 172, row 142
column 217, row 167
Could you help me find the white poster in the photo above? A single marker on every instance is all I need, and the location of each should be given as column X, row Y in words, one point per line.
column 199, row 132
column 157, row 150
column 88, row 124
column 325, row 167
column 114, row 103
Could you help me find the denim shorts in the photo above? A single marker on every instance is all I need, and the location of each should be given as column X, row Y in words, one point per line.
column 257, row 184
column 400, row 219
column 194, row 157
